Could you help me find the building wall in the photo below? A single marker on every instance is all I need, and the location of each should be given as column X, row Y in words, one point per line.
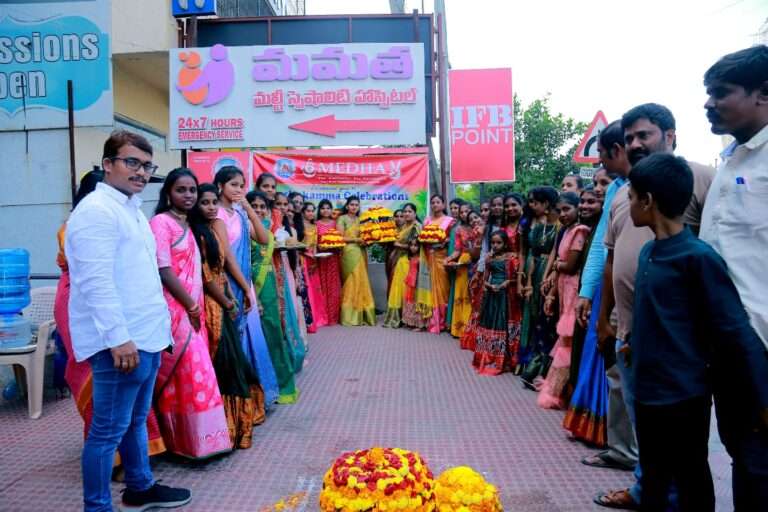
column 142, row 26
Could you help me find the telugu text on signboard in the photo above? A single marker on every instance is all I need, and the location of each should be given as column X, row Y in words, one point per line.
column 297, row 95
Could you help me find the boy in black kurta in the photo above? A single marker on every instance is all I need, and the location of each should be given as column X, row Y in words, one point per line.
column 687, row 316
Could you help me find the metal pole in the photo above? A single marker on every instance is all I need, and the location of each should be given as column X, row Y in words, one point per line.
column 442, row 76
column 71, row 123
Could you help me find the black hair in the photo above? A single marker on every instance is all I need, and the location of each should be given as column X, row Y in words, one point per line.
column 667, row 178
column 322, row 203
column 304, row 208
column 293, row 194
column 349, row 200
column 501, row 233
column 493, row 220
column 570, row 198
column 657, row 114
column 611, row 135
column 434, row 196
column 612, row 175
column 87, row 185
column 456, row 200
column 747, row 68
column 545, row 194
column 253, row 194
column 412, row 207
column 206, row 239
column 225, row 175
column 579, row 181
column 164, row 201
column 298, row 225
column 265, row 176
column 589, row 189
column 119, row 138
column 519, row 199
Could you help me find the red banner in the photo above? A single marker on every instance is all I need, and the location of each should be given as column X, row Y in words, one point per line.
column 482, row 130
column 384, row 178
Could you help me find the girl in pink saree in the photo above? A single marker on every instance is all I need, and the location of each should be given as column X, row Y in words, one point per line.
column 187, row 398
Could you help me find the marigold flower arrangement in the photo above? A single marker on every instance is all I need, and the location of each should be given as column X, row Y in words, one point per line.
column 462, row 489
column 377, row 226
column 378, row 479
column 376, row 213
column 432, row 234
column 331, row 239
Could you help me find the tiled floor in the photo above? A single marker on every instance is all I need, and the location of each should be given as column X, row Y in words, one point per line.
column 361, row 387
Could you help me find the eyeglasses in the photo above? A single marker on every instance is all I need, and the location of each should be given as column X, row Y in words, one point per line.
column 134, row 164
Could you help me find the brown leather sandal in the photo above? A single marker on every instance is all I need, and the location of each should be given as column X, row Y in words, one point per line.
column 621, row 500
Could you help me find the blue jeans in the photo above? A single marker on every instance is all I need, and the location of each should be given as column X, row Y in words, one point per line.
column 121, row 404
column 628, row 387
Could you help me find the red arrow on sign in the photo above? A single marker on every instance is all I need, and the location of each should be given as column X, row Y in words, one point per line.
column 328, row 126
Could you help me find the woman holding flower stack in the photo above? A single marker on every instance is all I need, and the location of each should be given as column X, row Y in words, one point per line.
column 433, row 284
column 408, row 232
column 357, row 307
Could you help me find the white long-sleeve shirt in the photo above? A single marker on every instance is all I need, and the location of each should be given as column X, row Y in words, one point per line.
column 735, row 224
column 116, row 294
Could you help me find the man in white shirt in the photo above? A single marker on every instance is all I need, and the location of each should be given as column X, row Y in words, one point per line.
column 735, row 223
column 120, row 324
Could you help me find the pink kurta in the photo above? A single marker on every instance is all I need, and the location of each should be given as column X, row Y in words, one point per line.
column 189, row 404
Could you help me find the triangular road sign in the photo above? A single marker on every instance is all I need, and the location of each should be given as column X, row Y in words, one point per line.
column 586, row 153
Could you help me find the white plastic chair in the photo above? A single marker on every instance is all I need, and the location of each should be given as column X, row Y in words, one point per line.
column 39, row 313
column 40, row 308
column 32, row 358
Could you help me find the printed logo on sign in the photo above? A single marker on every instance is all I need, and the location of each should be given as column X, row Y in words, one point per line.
column 211, row 84
column 285, row 168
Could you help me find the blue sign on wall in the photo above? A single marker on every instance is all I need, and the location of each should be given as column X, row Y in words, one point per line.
column 182, row 8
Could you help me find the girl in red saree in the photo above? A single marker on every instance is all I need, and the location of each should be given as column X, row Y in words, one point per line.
column 329, row 267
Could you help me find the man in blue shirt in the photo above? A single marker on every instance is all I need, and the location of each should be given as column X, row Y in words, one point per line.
column 621, row 450
column 687, row 316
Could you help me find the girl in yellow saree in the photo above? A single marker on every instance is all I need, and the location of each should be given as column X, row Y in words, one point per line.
column 357, row 307
column 408, row 231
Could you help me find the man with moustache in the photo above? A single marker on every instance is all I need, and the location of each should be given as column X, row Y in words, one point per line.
column 648, row 129
column 736, row 225
column 621, row 447
column 120, row 324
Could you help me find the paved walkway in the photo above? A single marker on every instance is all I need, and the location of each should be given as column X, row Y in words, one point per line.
column 361, row 387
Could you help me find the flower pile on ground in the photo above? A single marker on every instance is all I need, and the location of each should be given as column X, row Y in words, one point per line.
column 332, row 239
column 378, row 479
column 377, row 226
column 462, row 489
column 432, row 234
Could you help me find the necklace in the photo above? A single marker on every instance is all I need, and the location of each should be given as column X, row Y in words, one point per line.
column 182, row 217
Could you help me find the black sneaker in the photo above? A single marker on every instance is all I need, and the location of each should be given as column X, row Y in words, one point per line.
column 157, row 496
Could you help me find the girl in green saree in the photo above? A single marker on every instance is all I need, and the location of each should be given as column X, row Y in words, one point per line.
column 265, row 287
